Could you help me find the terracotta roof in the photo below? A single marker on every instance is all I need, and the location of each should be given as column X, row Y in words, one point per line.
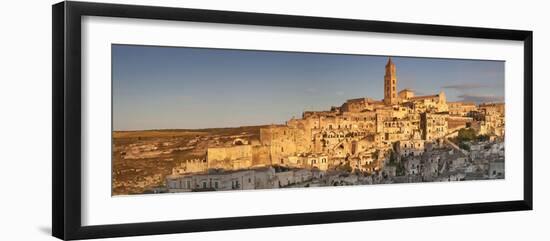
column 461, row 102
column 424, row 97
column 356, row 100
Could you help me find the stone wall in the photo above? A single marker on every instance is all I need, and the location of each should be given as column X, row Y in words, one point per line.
column 234, row 157
column 261, row 155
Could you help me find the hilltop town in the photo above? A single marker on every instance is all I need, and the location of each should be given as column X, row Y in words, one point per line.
column 400, row 139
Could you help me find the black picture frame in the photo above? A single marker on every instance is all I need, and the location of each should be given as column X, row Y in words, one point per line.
column 66, row 128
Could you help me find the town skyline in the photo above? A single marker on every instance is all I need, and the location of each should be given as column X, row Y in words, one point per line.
column 405, row 137
column 306, row 82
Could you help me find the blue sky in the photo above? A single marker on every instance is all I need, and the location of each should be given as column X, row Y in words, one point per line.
column 190, row 88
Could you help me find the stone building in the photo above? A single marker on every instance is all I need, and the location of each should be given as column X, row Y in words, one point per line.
column 360, row 133
column 414, row 147
column 233, row 157
column 406, row 94
column 213, row 181
column 191, row 166
column 492, row 108
column 461, row 109
column 434, row 125
column 489, row 119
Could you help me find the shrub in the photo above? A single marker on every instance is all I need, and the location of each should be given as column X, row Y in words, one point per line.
column 466, row 134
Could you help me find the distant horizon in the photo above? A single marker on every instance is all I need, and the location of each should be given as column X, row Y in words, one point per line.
column 195, row 129
column 178, row 88
column 232, row 127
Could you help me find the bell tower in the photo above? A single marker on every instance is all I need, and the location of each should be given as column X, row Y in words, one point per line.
column 390, row 84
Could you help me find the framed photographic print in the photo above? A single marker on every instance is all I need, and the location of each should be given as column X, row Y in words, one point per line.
column 171, row 120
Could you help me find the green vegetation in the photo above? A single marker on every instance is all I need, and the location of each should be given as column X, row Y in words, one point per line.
column 393, row 158
column 399, row 166
column 400, row 170
column 466, row 135
column 346, row 167
column 464, row 146
column 279, row 168
column 483, row 137
column 469, row 134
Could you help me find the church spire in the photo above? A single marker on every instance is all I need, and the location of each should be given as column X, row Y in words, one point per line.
column 389, row 62
column 390, row 84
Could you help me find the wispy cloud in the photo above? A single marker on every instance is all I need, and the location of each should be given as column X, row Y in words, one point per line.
column 470, row 86
column 481, row 98
column 420, row 92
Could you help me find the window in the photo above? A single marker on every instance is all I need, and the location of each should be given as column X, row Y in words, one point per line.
column 216, row 185
column 203, row 184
